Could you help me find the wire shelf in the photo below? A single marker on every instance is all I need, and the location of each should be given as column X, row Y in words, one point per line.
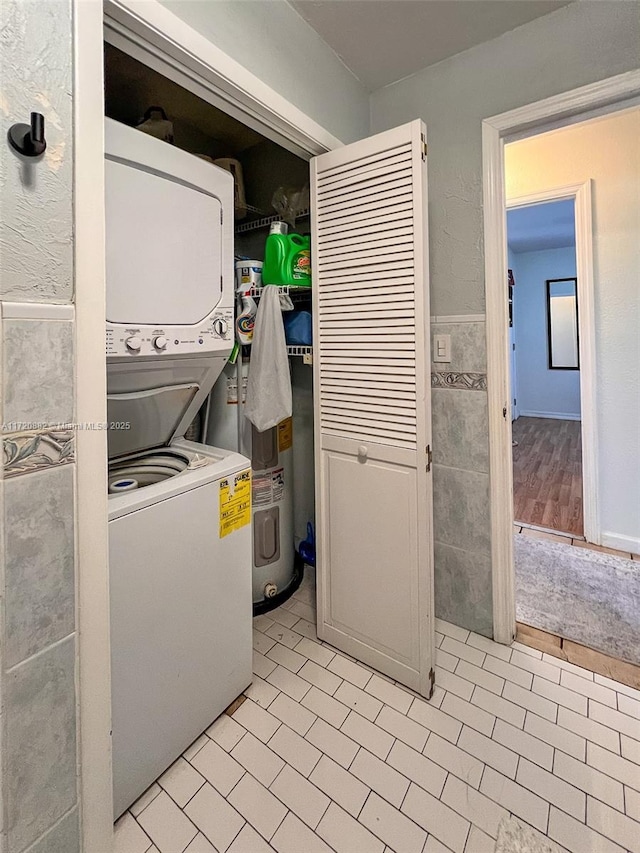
column 264, row 222
column 305, row 352
column 296, row 293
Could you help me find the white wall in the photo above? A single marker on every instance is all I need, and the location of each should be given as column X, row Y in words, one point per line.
column 272, row 41
column 540, row 392
column 606, row 150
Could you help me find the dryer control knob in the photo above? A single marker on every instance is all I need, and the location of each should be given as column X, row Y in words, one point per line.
column 160, row 342
column 133, row 343
column 220, row 327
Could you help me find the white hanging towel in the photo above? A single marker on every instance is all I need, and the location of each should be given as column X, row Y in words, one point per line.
column 268, row 398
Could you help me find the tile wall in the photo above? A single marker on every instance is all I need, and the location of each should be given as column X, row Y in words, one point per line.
column 461, row 476
column 38, row 642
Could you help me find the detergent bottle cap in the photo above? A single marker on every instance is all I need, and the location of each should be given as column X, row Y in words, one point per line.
column 279, row 228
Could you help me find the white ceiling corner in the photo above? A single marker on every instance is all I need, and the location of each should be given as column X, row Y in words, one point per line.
column 382, row 41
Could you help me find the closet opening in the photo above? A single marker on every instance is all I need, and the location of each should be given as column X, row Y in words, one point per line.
column 271, row 185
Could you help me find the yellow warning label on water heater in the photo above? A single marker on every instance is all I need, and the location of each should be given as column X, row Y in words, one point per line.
column 235, row 502
column 285, row 434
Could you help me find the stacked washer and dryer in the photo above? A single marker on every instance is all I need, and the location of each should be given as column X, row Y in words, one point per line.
column 179, row 512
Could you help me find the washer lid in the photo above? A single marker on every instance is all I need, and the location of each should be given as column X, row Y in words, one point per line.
column 140, row 420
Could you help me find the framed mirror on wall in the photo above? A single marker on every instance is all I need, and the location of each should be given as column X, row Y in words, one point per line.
column 562, row 324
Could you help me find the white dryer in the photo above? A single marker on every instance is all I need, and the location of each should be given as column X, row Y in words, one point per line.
column 179, row 512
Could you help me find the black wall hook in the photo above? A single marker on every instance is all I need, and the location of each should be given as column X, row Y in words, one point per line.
column 29, row 140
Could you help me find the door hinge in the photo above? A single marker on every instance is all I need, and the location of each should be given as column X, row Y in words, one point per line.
column 423, row 146
column 504, row 413
column 432, row 679
column 221, row 217
column 514, row 401
column 513, row 347
column 429, row 457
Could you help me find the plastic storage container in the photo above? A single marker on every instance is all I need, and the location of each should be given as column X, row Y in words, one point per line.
column 248, row 275
column 287, row 258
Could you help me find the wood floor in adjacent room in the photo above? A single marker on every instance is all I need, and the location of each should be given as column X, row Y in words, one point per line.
column 547, row 474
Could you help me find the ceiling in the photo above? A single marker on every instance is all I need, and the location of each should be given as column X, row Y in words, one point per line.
column 382, row 41
column 541, row 226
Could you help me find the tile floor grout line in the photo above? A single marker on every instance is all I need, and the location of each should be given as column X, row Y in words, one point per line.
column 363, row 805
column 288, row 811
column 553, row 729
column 235, row 785
column 288, row 808
column 602, row 830
column 325, row 811
column 232, row 840
column 405, row 815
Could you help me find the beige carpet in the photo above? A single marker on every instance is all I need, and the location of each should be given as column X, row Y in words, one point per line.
column 514, row 836
column 585, row 596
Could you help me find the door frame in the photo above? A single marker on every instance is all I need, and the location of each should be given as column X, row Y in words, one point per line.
column 581, row 196
column 152, row 34
column 557, row 111
column 200, row 66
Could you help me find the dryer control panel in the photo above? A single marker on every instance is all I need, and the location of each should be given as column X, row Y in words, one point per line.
column 215, row 334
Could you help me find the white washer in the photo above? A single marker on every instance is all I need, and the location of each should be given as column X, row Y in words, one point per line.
column 180, row 612
column 180, row 545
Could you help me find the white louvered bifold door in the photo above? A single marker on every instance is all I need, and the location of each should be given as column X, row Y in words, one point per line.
column 372, row 403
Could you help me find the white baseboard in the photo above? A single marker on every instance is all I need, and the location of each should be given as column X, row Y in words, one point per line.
column 621, row 543
column 559, row 416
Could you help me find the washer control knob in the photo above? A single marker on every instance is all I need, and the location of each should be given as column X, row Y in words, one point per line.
column 220, row 327
column 160, row 342
column 133, row 343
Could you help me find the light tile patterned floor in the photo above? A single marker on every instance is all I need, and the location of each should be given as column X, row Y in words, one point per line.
column 326, row 756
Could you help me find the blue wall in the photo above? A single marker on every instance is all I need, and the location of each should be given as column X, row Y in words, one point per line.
column 540, row 391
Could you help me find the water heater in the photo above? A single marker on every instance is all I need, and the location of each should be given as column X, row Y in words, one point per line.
column 271, row 453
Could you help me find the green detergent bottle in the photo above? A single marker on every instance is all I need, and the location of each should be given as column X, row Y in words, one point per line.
column 287, row 258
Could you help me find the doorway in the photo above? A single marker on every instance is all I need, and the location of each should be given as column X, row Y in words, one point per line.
column 580, row 629
column 545, row 367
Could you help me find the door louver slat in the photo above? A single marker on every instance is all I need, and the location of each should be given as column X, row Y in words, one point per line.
column 400, row 257
column 393, row 299
column 338, row 324
column 366, row 186
column 351, row 211
column 393, row 292
column 344, row 391
column 372, row 250
column 369, row 404
column 361, row 385
column 363, row 172
column 356, row 167
column 350, row 243
column 400, row 214
column 364, row 273
column 328, row 199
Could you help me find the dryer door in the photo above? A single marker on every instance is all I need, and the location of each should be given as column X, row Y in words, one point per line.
column 164, row 248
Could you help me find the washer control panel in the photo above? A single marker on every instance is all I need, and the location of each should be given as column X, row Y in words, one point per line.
column 215, row 333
